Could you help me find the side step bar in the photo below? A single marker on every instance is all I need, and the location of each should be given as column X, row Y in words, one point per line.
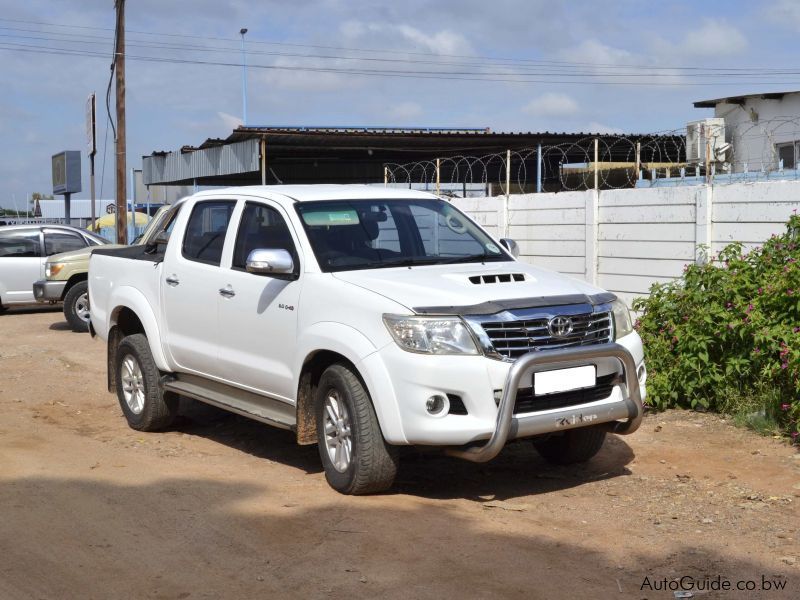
column 247, row 404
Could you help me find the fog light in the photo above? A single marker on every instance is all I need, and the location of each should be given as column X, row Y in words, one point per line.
column 437, row 405
column 642, row 372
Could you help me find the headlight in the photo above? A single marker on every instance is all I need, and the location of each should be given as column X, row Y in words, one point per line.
column 431, row 335
column 52, row 269
column 622, row 319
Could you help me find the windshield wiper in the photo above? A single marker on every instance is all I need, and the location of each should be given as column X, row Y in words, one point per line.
column 467, row 259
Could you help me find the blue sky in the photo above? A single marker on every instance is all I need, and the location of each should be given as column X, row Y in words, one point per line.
column 169, row 105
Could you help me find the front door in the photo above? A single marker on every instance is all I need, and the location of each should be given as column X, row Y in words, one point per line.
column 191, row 280
column 258, row 315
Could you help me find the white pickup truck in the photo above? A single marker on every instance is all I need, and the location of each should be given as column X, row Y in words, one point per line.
column 363, row 319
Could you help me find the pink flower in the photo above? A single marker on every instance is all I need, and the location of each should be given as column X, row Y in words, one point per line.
column 785, row 406
column 785, row 365
column 749, row 308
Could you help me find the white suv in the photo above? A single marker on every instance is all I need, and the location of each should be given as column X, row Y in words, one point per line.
column 363, row 319
column 24, row 250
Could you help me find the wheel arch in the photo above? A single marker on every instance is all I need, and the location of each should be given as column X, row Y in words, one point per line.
column 127, row 318
column 76, row 278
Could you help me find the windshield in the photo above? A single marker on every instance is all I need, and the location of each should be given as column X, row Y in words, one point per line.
column 370, row 234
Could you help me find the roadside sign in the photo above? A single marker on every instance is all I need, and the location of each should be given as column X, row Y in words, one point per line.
column 91, row 128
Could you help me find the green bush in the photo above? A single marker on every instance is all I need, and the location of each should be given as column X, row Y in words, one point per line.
column 726, row 336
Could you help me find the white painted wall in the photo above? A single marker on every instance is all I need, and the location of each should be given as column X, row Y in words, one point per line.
column 756, row 126
column 626, row 240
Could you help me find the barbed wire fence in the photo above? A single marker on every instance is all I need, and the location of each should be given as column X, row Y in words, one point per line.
column 754, row 151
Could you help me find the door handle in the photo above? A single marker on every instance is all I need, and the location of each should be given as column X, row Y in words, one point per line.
column 227, row 292
column 172, row 280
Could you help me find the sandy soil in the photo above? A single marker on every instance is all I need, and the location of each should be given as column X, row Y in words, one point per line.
column 221, row 507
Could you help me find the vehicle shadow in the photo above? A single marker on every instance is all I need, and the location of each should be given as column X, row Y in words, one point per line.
column 11, row 311
column 519, row 470
column 245, row 435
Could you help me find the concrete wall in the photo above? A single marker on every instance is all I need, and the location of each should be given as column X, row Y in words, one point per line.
column 626, row 240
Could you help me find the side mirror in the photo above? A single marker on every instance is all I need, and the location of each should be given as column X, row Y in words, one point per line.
column 161, row 238
column 270, row 261
column 511, row 246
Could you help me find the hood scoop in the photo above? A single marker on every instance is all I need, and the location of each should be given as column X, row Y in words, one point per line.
column 498, row 278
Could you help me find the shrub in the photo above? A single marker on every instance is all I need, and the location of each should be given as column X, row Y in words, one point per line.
column 726, row 336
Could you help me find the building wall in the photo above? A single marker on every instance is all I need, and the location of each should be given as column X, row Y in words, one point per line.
column 626, row 240
column 756, row 126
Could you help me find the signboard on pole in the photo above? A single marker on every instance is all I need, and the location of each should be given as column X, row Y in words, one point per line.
column 67, row 172
column 91, row 128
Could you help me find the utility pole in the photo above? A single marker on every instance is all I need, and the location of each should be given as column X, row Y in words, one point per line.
column 242, row 31
column 119, row 68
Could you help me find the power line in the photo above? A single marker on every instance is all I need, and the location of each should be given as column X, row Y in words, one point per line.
column 436, row 75
column 535, row 62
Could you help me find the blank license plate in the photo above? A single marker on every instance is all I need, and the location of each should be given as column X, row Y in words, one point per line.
column 564, row 380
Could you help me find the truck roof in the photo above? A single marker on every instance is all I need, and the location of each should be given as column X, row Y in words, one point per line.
column 309, row 193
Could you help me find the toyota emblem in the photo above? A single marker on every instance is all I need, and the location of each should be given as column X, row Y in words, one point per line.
column 560, row 326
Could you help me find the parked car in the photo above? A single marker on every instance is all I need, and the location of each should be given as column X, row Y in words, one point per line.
column 363, row 319
column 24, row 250
column 66, row 278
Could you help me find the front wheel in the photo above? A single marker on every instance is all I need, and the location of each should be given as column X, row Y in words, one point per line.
column 145, row 405
column 572, row 446
column 356, row 458
column 76, row 306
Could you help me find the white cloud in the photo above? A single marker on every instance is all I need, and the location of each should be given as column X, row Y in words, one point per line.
column 714, row 39
column 597, row 53
column 595, row 127
column 405, row 37
column 785, row 12
column 230, row 122
column 552, row 105
column 405, row 111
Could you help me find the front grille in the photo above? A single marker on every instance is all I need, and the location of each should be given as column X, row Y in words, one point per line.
column 512, row 339
column 527, row 402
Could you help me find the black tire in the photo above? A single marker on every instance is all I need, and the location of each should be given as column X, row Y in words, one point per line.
column 373, row 463
column 75, row 302
column 157, row 409
column 572, row 446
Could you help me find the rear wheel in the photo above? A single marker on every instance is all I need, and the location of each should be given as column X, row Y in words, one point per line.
column 572, row 446
column 76, row 306
column 139, row 391
column 356, row 458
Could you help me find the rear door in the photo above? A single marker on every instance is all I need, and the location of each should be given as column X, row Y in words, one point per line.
column 21, row 264
column 258, row 313
column 191, row 280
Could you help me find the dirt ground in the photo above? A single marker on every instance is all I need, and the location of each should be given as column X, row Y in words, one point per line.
column 221, row 507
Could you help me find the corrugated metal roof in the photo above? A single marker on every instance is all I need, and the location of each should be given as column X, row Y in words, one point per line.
column 740, row 99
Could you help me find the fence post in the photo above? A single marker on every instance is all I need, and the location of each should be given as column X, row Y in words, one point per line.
column 596, row 159
column 703, row 224
column 504, row 221
column 590, row 235
column 539, row 169
column 438, row 177
column 385, row 176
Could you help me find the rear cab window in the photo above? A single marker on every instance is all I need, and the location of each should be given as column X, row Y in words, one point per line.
column 205, row 231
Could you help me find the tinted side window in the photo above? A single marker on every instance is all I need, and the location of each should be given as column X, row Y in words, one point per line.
column 205, row 231
column 16, row 244
column 56, row 242
column 261, row 227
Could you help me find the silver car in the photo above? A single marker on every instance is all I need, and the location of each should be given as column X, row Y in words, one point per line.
column 24, row 250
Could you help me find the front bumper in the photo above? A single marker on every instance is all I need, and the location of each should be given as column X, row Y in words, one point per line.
column 400, row 382
column 48, row 291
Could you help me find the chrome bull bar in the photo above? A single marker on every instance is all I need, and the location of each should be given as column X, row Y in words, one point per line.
column 537, row 361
